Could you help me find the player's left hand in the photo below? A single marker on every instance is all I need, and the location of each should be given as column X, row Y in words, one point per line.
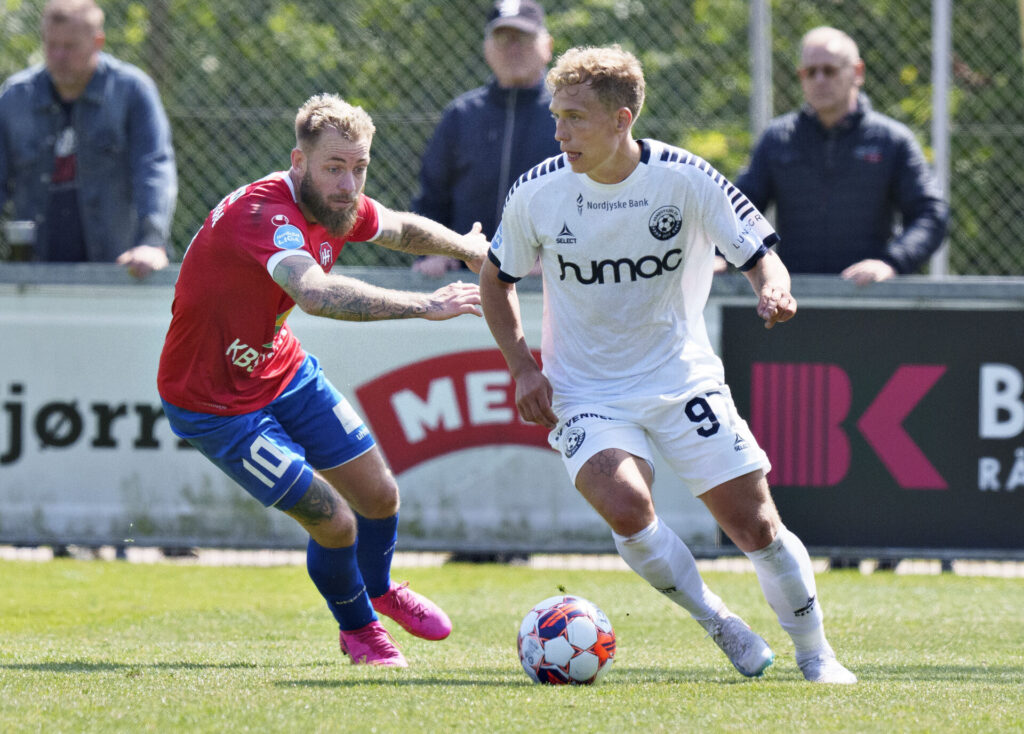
column 775, row 305
column 143, row 260
column 868, row 271
column 454, row 299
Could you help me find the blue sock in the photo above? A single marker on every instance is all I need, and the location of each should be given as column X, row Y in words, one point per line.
column 375, row 548
column 335, row 573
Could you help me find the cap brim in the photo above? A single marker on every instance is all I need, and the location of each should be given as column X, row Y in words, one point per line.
column 520, row 24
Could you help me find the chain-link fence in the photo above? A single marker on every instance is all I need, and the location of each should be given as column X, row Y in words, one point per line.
column 233, row 72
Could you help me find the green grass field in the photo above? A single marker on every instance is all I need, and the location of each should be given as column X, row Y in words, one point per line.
column 119, row 647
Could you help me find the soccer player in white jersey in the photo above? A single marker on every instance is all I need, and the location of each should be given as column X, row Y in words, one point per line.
column 626, row 232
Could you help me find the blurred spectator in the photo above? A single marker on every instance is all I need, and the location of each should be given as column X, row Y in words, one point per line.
column 839, row 173
column 489, row 136
column 85, row 149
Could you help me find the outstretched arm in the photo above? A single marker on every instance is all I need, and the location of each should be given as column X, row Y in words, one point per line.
column 340, row 297
column 418, row 235
column 770, row 281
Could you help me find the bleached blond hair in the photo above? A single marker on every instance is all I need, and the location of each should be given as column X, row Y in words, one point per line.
column 614, row 74
column 324, row 111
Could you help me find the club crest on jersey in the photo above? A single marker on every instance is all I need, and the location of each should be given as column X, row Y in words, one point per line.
column 288, row 237
column 326, row 254
column 574, row 438
column 665, row 222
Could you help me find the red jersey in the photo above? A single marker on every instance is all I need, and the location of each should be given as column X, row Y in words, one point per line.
column 228, row 349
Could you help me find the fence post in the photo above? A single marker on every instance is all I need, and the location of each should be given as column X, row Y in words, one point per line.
column 760, row 66
column 942, row 35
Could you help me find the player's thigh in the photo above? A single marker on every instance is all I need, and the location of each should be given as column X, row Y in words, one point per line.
column 610, row 463
column 617, row 484
column 253, row 449
column 367, row 483
column 704, row 439
column 337, row 442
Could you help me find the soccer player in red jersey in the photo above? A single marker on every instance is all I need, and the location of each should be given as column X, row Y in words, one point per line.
column 236, row 383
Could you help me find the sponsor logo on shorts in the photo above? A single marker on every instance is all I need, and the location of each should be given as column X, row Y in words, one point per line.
column 739, row 444
column 574, row 438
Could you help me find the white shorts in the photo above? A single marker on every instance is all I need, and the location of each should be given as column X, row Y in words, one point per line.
column 703, row 438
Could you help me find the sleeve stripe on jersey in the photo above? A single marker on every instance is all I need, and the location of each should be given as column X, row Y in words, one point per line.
column 740, row 204
column 542, row 168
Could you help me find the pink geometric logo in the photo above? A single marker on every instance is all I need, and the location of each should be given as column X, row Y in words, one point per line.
column 797, row 411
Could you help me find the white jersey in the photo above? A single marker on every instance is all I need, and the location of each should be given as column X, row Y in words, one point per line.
column 627, row 270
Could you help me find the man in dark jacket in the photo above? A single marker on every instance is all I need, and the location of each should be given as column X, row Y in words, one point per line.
column 839, row 173
column 489, row 136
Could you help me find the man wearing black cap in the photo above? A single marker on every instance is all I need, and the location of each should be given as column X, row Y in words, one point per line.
column 489, row 136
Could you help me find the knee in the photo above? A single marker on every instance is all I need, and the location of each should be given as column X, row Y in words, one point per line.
column 755, row 534
column 629, row 515
column 382, row 501
column 337, row 531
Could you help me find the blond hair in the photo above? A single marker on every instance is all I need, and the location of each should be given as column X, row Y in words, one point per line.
column 614, row 74
column 324, row 111
column 71, row 11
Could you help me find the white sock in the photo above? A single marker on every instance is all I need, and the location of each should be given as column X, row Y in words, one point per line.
column 658, row 555
column 787, row 579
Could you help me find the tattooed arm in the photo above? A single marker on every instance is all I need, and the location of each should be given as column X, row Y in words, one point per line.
column 418, row 235
column 340, row 297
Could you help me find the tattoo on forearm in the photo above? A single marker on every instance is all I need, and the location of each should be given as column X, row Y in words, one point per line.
column 349, row 303
column 351, row 300
column 421, row 236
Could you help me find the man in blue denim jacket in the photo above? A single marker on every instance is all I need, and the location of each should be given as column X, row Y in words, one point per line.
column 85, row 149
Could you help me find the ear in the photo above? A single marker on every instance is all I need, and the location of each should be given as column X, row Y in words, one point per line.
column 858, row 73
column 623, row 119
column 99, row 41
column 299, row 160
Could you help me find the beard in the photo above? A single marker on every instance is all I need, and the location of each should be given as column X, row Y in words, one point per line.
column 337, row 222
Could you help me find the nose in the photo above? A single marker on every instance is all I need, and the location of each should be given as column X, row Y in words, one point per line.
column 347, row 182
column 560, row 131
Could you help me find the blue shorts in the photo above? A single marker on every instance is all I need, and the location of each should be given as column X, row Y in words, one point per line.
column 274, row 451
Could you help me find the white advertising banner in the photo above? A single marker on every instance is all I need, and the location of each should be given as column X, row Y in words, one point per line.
column 87, row 457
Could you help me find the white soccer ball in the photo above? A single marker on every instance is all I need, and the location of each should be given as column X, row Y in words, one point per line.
column 566, row 639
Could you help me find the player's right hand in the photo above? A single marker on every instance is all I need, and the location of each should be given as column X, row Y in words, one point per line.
column 454, row 299
column 533, row 399
column 476, row 241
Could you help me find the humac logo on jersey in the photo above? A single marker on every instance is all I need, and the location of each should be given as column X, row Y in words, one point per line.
column 601, row 272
